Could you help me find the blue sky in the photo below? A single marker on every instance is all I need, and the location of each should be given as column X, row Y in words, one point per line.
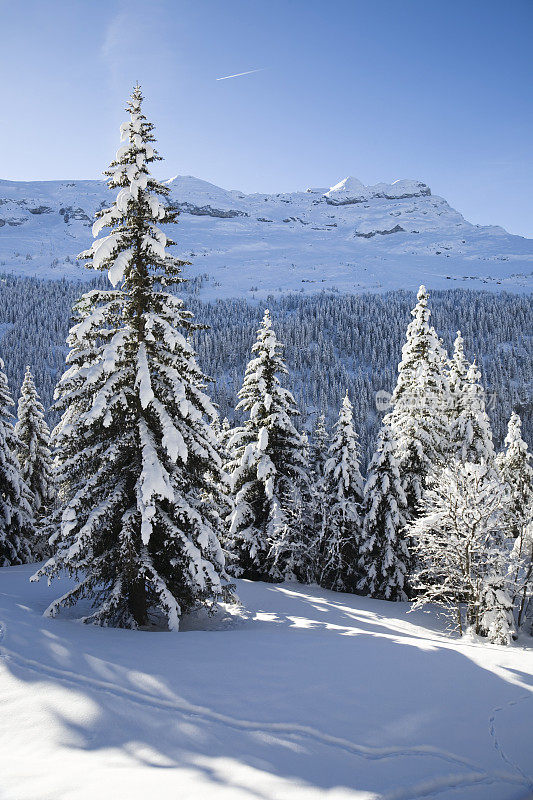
column 436, row 90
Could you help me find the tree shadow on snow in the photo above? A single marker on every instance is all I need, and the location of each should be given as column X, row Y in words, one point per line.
column 310, row 689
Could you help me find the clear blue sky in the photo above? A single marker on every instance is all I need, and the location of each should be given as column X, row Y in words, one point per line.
column 437, row 90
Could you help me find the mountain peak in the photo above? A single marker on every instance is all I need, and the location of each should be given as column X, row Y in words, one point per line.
column 351, row 190
column 349, row 238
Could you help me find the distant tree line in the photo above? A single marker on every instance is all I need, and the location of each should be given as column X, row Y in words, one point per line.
column 333, row 344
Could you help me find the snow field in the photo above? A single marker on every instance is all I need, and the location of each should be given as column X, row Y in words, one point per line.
column 351, row 239
column 304, row 694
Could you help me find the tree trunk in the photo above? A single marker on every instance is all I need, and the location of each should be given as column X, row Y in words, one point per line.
column 137, row 602
column 524, row 594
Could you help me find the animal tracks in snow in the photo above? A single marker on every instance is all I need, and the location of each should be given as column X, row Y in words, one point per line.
column 528, row 779
column 471, row 776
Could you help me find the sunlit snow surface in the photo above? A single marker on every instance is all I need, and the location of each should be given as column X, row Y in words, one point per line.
column 307, row 694
column 349, row 238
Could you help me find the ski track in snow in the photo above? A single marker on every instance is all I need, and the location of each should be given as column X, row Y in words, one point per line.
column 428, row 788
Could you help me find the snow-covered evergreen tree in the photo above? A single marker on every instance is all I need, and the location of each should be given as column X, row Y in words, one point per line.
column 420, row 404
column 516, row 471
column 34, row 454
column 268, row 466
column 318, row 455
column 219, row 495
column 318, row 330
column 515, row 468
column 16, row 519
column 471, row 431
column 224, row 433
column 344, row 495
column 461, row 543
column 135, row 449
column 383, row 553
column 496, row 618
column 293, row 551
column 458, row 369
column 522, row 572
column 318, row 449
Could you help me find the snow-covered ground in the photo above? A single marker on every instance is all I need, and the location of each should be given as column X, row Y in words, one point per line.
column 349, row 238
column 312, row 695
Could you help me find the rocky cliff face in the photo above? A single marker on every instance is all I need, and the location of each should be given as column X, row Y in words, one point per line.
column 347, row 238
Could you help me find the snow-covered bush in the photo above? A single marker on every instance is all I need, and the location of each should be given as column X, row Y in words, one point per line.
column 460, row 542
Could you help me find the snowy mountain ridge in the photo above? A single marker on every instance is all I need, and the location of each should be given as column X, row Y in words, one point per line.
column 349, row 237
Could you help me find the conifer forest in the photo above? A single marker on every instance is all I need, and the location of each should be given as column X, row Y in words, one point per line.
column 334, row 466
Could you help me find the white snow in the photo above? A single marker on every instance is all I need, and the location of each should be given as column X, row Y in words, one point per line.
column 313, row 695
column 350, row 238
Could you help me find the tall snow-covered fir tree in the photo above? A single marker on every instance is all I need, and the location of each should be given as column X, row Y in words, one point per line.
column 135, row 448
column 383, row 553
column 471, row 430
column 318, row 448
column 16, row 518
column 34, row 454
column 458, row 369
column 522, row 569
column 420, row 404
column 516, row 470
column 344, row 494
column 318, row 455
column 293, row 550
column 268, row 466
column 219, row 495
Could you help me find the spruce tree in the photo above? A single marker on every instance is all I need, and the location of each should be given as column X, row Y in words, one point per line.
column 318, row 455
column 420, row 404
column 344, row 495
column 292, row 554
column 318, row 450
column 219, row 495
column 522, row 568
column 224, row 433
column 135, row 449
column 384, row 555
column 268, row 466
column 515, row 468
column 496, row 618
column 16, row 519
column 472, row 431
column 34, row 454
column 516, row 471
column 458, row 369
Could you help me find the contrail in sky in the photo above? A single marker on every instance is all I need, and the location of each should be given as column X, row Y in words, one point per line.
column 238, row 75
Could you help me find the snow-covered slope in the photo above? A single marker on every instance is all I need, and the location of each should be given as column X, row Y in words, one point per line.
column 313, row 696
column 349, row 237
